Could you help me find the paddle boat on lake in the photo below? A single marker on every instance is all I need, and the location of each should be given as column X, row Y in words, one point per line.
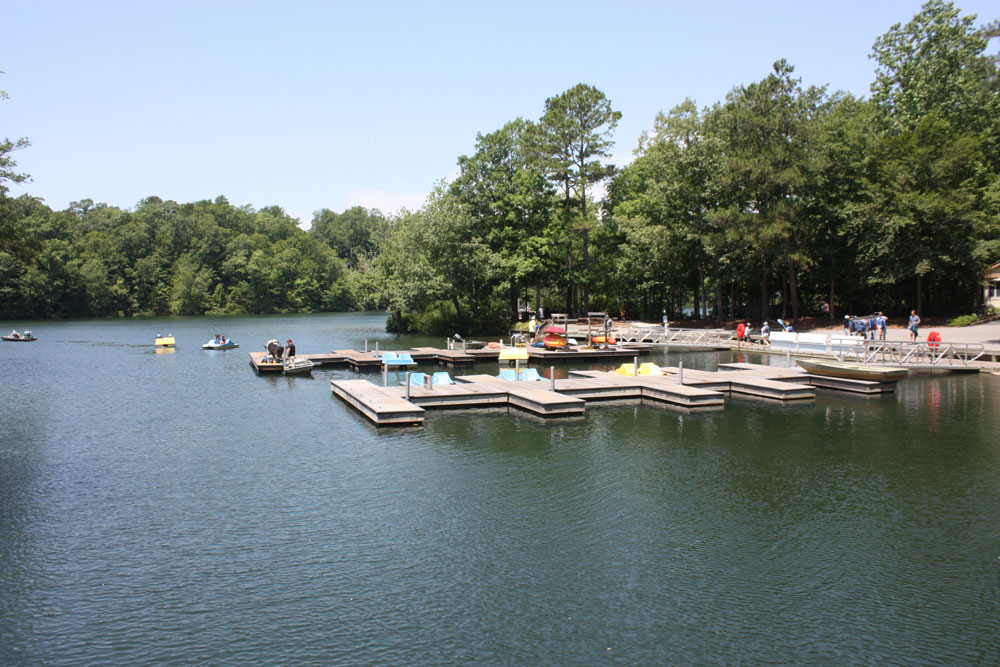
column 220, row 343
column 17, row 337
column 164, row 341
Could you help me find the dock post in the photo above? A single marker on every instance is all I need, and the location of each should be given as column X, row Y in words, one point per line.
column 788, row 356
column 635, row 366
column 552, row 377
column 385, row 375
column 680, row 365
column 517, row 369
column 376, row 348
column 366, row 346
column 407, row 385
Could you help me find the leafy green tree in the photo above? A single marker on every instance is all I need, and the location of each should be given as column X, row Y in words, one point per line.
column 510, row 201
column 766, row 134
column 935, row 63
column 574, row 133
column 351, row 234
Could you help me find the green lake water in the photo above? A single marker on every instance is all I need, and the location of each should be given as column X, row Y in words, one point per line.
column 175, row 508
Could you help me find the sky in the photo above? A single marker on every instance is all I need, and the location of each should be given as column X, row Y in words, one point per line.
column 312, row 105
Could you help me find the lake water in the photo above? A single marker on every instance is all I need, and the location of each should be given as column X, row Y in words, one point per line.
column 173, row 507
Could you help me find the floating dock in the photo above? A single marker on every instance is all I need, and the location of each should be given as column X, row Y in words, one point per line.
column 796, row 374
column 567, row 397
column 257, row 360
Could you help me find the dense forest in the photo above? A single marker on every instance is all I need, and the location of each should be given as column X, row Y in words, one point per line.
column 770, row 202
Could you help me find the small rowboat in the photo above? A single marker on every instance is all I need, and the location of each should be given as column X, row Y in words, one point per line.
column 840, row 369
column 18, row 339
column 297, row 366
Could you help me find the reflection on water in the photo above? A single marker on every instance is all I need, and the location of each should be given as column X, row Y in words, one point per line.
column 179, row 508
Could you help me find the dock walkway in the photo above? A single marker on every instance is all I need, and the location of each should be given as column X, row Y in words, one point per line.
column 567, row 397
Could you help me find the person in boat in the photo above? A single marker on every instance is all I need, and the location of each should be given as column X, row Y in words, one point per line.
column 27, row 333
column 159, row 334
column 289, row 351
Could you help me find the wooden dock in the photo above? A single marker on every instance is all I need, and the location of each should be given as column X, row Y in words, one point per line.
column 796, row 374
column 257, row 360
column 535, row 397
column 662, row 388
column 377, row 403
column 360, row 360
column 442, row 357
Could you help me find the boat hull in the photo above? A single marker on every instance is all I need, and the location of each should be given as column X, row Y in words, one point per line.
column 20, row 339
column 225, row 346
column 298, row 367
column 852, row 371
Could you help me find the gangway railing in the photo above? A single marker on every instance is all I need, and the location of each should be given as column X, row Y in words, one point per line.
column 657, row 335
column 912, row 353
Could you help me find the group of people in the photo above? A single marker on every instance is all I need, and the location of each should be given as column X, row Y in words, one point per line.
column 743, row 330
column 277, row 353
column 874, row 326
column 870, row 327
column 220, row 339
column 16, row 334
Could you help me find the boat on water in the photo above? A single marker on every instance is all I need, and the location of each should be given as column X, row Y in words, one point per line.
column 165, row 341
column 297, row 366
column 850, row 371
column 220, row 343
column 16, row 337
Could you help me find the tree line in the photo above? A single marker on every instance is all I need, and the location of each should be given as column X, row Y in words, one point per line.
column 767, row 203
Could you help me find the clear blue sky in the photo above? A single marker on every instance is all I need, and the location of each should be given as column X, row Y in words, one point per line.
column 314, row 105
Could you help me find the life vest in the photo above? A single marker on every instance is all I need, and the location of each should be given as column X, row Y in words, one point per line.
column 933, row 340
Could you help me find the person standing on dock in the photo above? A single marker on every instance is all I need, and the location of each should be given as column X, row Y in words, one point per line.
column 666, row 324
column 765, row 334
column 914, row 324
column 289, row 351
column 740, row 330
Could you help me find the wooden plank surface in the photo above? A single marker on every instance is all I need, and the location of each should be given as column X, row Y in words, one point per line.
column 379, row 405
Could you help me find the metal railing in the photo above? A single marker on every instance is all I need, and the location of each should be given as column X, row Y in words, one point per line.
column 657, row 336
column 913, row 354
